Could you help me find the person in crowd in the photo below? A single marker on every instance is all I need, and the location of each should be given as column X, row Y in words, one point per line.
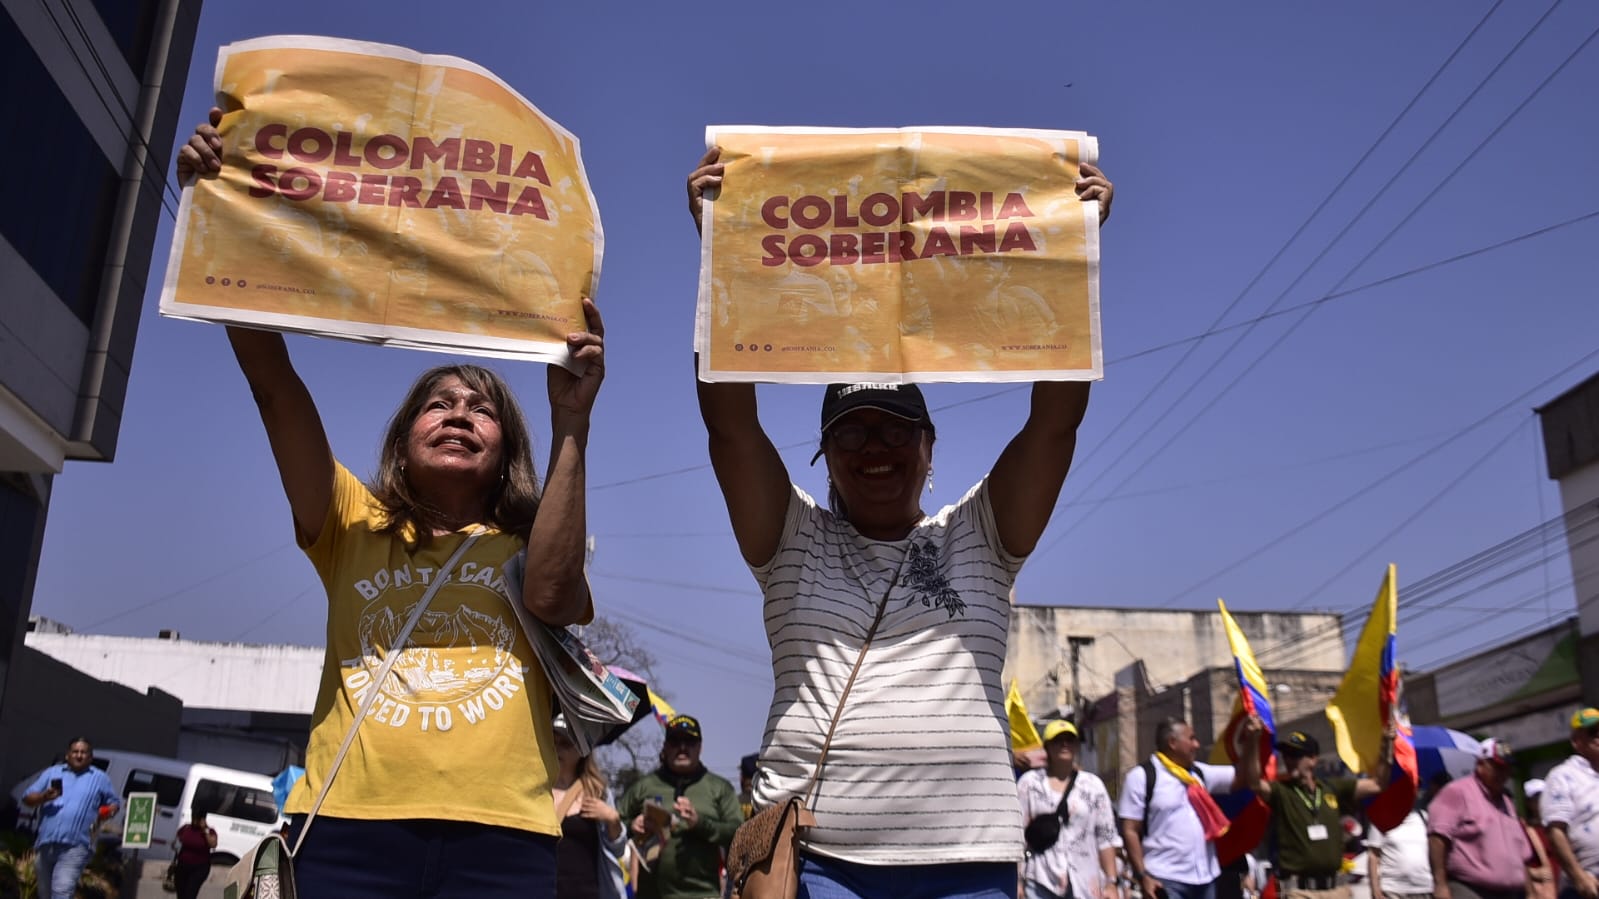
column 1397, row 861
column 1081, row 859
column 686, row 810
column 71, row 799
column 195, row 841
column 1477, row 846
column 1542, row 880
column 1570, row 808
column 1307, row 817
column 1169, row 818
column 594, row 848
column 747, row 767
column 430, row 802
column 932, row 595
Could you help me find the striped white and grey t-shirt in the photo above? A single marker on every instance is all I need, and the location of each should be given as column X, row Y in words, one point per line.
column 920, row 768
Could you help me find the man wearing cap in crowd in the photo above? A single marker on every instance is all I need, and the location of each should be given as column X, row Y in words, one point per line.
column 747, row 766
column 703, row 812
column 1476, row 843
column 1571, row 808
column 1081, row 859
column 1307, row 817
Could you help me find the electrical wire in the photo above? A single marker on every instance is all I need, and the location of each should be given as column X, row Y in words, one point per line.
column 1217, row 396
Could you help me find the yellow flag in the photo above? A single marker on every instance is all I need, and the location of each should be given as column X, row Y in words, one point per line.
column 663, row 709
column 1356, row 711
column 1254, row 697
column 1023, row 735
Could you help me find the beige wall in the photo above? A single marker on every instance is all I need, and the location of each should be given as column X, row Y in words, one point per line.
column 1173, row 644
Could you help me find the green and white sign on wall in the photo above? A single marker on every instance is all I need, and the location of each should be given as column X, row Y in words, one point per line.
column 138, row 820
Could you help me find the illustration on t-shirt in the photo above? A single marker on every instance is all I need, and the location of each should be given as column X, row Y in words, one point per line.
column 924, row 576
column 460, row 662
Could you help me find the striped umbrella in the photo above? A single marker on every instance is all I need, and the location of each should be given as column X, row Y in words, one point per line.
column 1440, row 750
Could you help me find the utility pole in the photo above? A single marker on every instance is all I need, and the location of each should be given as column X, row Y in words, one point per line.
column 1075, row 645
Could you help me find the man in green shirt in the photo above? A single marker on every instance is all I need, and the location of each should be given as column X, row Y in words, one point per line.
column 688, row 812
column 1307, row 818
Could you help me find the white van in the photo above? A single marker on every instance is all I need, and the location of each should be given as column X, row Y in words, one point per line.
column 239, row 804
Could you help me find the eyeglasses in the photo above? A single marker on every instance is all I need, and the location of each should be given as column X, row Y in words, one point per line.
column 891, row 432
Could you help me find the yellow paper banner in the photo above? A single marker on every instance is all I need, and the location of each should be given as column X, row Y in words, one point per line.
column 373, row 193
column 916, row 254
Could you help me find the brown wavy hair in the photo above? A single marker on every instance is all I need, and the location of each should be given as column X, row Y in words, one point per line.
column 515, row 499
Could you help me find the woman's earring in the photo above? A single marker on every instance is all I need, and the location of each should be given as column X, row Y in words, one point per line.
column 929, row 479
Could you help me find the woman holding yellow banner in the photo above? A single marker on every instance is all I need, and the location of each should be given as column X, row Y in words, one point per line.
column 444, row 786
column 916, row 798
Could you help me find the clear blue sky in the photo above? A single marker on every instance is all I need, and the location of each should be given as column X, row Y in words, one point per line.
column 1223, row 126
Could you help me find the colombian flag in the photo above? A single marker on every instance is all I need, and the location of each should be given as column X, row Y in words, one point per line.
column 1249, row 814
column 1366, row 701
column 663, row 710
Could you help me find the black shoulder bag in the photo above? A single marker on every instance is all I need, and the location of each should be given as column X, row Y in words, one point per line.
column 1044, row 831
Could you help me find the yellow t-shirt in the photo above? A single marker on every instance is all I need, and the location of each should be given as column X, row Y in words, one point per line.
column 461, row 730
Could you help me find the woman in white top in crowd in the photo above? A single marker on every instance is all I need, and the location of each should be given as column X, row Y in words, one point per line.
column 1081, row 861
column 918, row 798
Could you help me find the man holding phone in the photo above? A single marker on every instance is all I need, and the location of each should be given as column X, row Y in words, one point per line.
column 70, row 798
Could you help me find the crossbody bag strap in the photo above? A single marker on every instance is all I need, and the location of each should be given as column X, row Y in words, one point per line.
column 821, row 759
column 389, row 659
column 1060, row 810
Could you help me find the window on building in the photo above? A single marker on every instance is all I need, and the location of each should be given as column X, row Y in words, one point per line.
column 57, row 210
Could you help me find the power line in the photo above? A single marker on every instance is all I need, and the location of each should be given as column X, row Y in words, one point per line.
column 1349, row 174
column 1417, row 600
column 1416, row 514
column 1217, row 396
column 131, row 134
column 181, row 590
column 1317, row 518
column 1162, row 347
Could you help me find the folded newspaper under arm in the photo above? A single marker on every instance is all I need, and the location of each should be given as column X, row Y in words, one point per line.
column 594, row 700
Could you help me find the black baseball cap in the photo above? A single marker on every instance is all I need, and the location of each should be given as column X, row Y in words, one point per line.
column 902, row 400
column 683, row 727
column 1299, row 743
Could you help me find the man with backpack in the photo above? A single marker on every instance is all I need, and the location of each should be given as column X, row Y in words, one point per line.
column 1169, row 819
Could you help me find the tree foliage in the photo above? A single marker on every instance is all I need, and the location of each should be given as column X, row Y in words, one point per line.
column 639, row 748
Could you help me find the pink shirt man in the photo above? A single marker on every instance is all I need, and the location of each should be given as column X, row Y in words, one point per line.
column 1488, row 847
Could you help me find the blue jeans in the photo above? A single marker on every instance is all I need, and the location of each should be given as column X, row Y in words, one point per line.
column 1176, row 890
column 58, row 867
column 345, row 858
column 827, row 878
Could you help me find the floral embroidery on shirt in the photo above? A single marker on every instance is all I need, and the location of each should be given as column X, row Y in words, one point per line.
column 928, row 582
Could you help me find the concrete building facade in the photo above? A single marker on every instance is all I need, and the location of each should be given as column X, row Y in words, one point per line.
column 1173, row 645
column 1571, row 450
column 238, row 705
column 1117, row 672
column 90, row 113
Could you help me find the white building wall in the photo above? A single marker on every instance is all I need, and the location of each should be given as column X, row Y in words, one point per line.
column 204, row 675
